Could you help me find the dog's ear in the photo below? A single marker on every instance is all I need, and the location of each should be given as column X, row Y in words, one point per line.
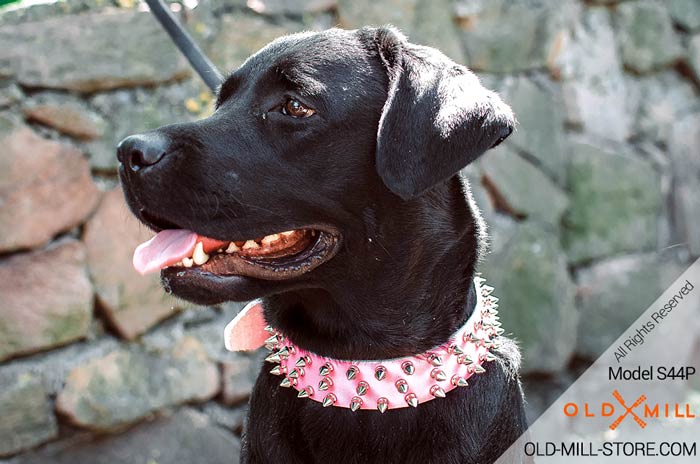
column 437, row 117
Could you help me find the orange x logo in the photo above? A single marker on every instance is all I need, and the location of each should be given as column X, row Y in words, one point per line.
column 628, row 410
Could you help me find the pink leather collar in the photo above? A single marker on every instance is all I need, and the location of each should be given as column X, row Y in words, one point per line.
column 377, row 385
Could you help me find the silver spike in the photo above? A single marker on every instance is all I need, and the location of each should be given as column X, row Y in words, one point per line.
column 456, row 349
column 306, row 392
column 296, row 373
column 499, row 331
column 382, row 405
column 408, row 367
column 479, row 370
column 401, row 386
column 303, row 361
column 273, row 358
column 329, row 400
column 283, row 352
column 380, row 373
column 486, row 290
column 362, row 388
column 355, row 403
column 351, row 373
column 286, row 383
column 458, row 381
column 325, row 369
column 269, row 329
column 277, row 370
column 464, row 359
column 273, row 340
column 488, row 357
column 438, row 375
column 437, row 391
column 412, row 400
column 325, row 383
column 435, row 360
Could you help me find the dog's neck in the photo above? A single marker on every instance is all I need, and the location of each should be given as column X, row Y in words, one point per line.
column 415, row 297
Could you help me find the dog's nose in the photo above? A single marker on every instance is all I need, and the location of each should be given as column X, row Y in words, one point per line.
column 142, row 150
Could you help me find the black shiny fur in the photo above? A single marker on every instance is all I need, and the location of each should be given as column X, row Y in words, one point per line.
column 378, row 162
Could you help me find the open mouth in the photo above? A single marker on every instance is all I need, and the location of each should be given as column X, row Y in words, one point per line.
column 276, row 256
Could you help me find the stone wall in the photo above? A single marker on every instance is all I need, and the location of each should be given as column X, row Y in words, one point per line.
column 593, row 205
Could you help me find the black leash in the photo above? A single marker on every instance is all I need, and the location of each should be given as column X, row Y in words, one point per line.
column 199, row 61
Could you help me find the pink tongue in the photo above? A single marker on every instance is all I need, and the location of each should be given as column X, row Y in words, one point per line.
column 165, row 249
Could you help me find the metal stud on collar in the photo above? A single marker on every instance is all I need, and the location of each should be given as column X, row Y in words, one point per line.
column 355, row 403
column 306, row 392
column 382, row 405
column 325, row 383
column 411, row 381
column 435, row 360
column 380, row 372
column 458, row 381
column 411, row 400
column 362, row 388
column 329, row 400
column 325, row 369
column 402, row 386
column 437, row 391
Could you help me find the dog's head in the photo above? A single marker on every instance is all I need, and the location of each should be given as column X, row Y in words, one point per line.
column 333, row 138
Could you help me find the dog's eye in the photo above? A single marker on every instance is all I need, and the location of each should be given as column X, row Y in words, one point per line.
column 296, row 109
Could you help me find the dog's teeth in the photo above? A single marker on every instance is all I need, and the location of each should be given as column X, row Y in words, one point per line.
column 232, row 248
column 250, row 245
column 187, row 262
column 270, row 238
column 199, row 256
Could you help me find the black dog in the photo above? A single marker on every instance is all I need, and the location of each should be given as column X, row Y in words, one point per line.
column 354, row 139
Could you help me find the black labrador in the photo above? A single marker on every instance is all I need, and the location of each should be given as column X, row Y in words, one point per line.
column 353, row 141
